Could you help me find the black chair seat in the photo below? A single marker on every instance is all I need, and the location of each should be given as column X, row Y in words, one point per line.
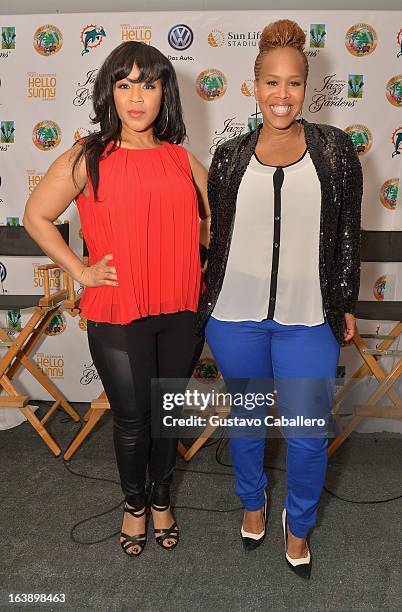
column 385, row 311
column 11, row 302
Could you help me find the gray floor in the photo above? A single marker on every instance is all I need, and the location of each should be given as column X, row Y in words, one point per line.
column 357, row 548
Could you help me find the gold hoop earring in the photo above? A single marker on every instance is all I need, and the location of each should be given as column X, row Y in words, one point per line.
column 167, row 122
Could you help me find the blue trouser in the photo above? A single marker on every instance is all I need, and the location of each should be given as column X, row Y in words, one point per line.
column 295, row 356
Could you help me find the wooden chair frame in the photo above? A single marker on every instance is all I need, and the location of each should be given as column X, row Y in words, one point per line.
column 17, row 356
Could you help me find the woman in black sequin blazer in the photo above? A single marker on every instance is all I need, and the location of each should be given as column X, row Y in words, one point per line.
column 270, row 347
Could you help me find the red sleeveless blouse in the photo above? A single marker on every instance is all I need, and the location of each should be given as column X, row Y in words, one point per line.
column 147, row 217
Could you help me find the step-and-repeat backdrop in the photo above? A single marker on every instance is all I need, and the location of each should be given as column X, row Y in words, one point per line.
column 48, row 65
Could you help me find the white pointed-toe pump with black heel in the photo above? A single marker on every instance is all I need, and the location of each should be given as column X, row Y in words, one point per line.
column 302, row 566
column 251, row 541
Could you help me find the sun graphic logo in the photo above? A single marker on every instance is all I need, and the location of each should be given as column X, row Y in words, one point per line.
column 389, row 193
column 397, row 141
column 361, row 39
column 46, row 135
column 361, row 136
column 91, row 37
column 47, row 40
column 216, row 38
column 247, row 88
column 394, row 90
column 211, row 84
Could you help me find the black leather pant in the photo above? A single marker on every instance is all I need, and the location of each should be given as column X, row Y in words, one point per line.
column 127, row 357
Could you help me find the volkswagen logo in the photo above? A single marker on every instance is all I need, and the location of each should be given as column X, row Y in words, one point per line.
column 3, row 272
column 180, row 37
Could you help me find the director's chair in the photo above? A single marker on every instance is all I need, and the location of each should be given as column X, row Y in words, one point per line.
column 15, row 241
column 376, row 246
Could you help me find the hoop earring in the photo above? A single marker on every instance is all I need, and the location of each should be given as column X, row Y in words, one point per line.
column 256, row 115
column 167, row 122
column 300, row 117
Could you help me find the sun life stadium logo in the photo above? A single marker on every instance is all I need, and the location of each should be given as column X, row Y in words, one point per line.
column 180, row 37
column 91, row 37
column 216, row 38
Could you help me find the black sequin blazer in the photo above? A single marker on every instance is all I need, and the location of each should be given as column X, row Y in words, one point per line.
column 339, row 171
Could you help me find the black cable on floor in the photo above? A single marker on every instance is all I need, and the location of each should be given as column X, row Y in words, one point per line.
column 222, row 443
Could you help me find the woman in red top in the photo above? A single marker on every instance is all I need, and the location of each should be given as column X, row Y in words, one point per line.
column 140, row 197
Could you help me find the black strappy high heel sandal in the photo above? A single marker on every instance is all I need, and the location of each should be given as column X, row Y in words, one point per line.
column 159, row 494
column 140, row 539
column 172, row 533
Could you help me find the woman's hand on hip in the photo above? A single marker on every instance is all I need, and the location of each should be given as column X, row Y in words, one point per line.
column 349, row 326
column 99, row 274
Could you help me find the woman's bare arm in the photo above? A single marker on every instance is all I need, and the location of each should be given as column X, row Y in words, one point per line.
column 52, row 196
column 200, row 177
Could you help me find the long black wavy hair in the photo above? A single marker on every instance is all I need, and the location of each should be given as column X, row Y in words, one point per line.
column 153, row 65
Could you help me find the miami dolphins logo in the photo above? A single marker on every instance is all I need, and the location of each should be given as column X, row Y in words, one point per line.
column 389, row 193
column 394, row 90
column 91, row 36
column 361, row 136
column 361, row 39
column 397, row 141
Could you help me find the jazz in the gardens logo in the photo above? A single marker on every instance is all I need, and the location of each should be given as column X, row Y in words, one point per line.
column 85, row 86
column 361, row 39
column 14, row 321
column 51, row 365
column 230, row 128
column 254, row 120
column 332, row 92
column 399, row 41
column 89, row 374
column 91, row 36
column 34, row 178
column 397, row 141
column 318, row 35
column 13, row 221
column 233, row 39
column 136, row 33
column 389, row 193
column 7, row 134
column 361, row 136
column 57, row 325
column 384, row 288
column 211, row 84
column 41, row 86
column 393, row 90
column 47, row 40
column 46, row 135
column 39, row 277
column 8, row 38
column 180, row 38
